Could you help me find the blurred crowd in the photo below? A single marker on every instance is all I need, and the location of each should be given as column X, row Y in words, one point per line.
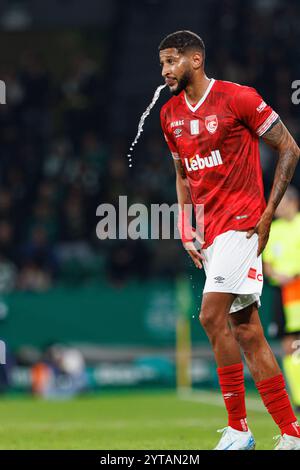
column 61, row 158
column 52, row 162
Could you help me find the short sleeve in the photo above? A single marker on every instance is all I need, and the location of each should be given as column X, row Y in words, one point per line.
column 251, row 109
column 168, row 136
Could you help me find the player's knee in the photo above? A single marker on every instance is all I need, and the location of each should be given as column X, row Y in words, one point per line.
column 208, row 319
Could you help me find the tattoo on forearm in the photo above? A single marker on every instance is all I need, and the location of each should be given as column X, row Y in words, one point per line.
column 281, row 140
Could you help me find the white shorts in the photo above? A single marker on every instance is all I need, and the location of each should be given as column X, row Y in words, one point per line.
column 231, row 265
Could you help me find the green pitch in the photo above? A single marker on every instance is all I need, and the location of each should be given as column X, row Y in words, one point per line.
column 132, row 420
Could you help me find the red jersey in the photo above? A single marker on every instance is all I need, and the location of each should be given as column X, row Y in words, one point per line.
column 217, row 141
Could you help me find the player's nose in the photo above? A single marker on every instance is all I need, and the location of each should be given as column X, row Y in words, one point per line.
column 164, row 72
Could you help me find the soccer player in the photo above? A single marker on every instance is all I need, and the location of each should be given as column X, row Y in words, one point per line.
column 212, row 128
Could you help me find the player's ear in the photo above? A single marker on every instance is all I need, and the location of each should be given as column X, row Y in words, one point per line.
column 197, row 60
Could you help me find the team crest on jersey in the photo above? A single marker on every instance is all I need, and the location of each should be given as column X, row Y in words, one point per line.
column 211, row 123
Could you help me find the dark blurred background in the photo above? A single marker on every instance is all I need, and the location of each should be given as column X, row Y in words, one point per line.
column 78, row 76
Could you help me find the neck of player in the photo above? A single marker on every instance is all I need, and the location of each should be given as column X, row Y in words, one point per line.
column 196, row 89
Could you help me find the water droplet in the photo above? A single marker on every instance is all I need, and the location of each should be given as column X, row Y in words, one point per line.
column 130, row 166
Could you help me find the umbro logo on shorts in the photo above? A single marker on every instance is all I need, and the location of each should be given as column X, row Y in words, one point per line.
column 219, row 279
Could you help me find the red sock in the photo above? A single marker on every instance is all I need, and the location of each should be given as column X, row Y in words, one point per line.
column 231, row 379
column 277, row 402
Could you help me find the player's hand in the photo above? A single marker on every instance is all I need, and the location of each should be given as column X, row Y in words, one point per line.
column 263, row 231
column 195, row 254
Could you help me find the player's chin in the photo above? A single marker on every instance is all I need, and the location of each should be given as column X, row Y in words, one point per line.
column 174, row 89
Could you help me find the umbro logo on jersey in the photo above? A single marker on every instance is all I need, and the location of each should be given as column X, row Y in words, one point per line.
column 177, row 132
column 198, row 163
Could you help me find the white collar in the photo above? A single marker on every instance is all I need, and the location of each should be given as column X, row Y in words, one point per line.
column 194, row 108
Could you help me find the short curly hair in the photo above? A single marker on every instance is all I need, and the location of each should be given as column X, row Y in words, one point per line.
column 182, row 41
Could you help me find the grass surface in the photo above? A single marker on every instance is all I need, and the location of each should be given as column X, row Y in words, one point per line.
column 135, row 420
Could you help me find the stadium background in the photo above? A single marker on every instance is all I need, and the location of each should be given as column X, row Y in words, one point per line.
column 78, row 77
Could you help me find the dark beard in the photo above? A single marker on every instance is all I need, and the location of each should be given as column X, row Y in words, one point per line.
column 182, row 83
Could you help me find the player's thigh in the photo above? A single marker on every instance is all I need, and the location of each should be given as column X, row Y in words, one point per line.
column 215, row 308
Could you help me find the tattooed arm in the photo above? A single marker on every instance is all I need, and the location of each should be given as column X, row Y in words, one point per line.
column 280, row 140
